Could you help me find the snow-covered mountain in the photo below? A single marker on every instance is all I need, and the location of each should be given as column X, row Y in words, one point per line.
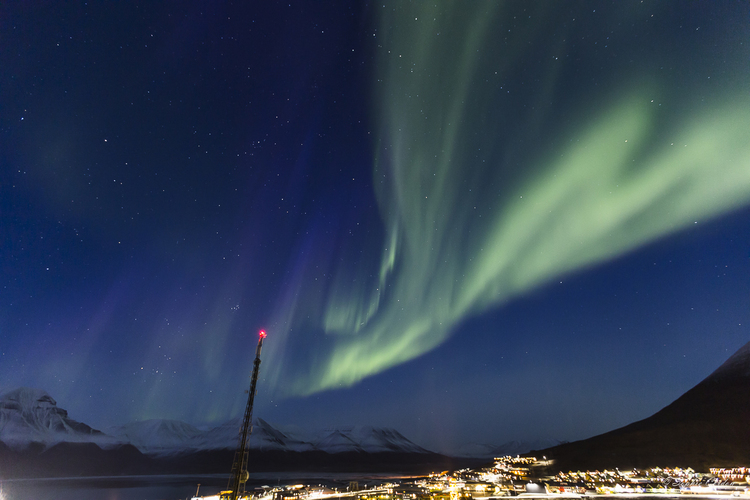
column 155, row 435
column 365, row 439
column 171, row 436
column 336, row 442
column 31, row 415
column 362, row 439
column 264, row 437
column 379, row 439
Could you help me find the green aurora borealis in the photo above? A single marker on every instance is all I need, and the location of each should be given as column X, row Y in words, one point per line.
column 487, row 189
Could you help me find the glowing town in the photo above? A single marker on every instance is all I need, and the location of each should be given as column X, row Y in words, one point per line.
column 526, row 477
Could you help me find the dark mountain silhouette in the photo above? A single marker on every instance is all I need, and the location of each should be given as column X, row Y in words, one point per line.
column 708, row 426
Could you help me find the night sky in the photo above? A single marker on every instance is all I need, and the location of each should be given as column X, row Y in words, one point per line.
column 476, row 221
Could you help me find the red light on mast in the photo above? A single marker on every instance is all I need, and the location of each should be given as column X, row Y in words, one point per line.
column 262, row 334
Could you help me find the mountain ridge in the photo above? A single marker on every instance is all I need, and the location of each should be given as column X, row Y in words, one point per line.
column 29, row 415
column 705, row 427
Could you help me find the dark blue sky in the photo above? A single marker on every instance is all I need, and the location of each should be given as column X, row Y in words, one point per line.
column 482, row 224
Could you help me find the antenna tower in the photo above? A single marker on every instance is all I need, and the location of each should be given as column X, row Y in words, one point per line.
column 239, row 475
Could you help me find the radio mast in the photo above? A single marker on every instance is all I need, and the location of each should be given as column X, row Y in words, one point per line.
column 239, row 475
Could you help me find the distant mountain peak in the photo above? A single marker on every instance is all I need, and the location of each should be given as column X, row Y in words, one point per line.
column 365, row 438
column 31, row 415
column 28, row 400
column 155, row 434
column 484, row 450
